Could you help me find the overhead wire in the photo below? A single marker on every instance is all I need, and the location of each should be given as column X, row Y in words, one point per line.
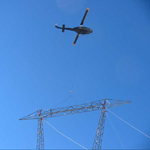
column 73, row 77
column 115, row 131
column 13, row 132
column 79, row 99
column 64, row 134
column 61, row 102
column 130, row 124
column 29, row 146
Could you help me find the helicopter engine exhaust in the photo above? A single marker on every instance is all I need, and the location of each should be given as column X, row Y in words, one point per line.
column 63, row 28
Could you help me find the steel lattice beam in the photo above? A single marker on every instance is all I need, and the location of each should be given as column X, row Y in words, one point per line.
column 63, row 111
column 87, row 107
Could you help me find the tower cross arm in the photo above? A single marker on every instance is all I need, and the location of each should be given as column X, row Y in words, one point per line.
column 81, row 108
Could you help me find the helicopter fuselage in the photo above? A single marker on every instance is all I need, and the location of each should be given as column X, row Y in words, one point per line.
column 82, row 30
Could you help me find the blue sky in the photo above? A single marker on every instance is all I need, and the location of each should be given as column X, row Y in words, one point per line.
column 37, row 64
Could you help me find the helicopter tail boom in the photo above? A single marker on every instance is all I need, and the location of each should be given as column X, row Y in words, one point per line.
column 63, row 28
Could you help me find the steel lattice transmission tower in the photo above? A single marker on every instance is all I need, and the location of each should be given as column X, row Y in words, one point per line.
column 40, row 133
column 75, row 109
column 100, row 129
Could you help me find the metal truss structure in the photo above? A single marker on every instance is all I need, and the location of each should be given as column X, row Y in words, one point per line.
column 103, row 105
column 100, row 130
column 40, row 135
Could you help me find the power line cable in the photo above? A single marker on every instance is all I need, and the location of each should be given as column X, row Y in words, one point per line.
column 64, row 135
column 13, row 132
column 129, row 124
column 115, row 132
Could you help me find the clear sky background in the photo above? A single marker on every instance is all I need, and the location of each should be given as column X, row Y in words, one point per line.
column 37, row 65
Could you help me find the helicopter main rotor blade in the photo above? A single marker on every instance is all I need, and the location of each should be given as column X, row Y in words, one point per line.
column 84, row 16
column 75, row 39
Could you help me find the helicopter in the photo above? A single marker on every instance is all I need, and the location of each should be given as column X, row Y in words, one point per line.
column 79, row 30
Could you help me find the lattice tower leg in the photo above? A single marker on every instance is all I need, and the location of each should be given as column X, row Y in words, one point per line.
column 40, row 135
column 99, row 133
